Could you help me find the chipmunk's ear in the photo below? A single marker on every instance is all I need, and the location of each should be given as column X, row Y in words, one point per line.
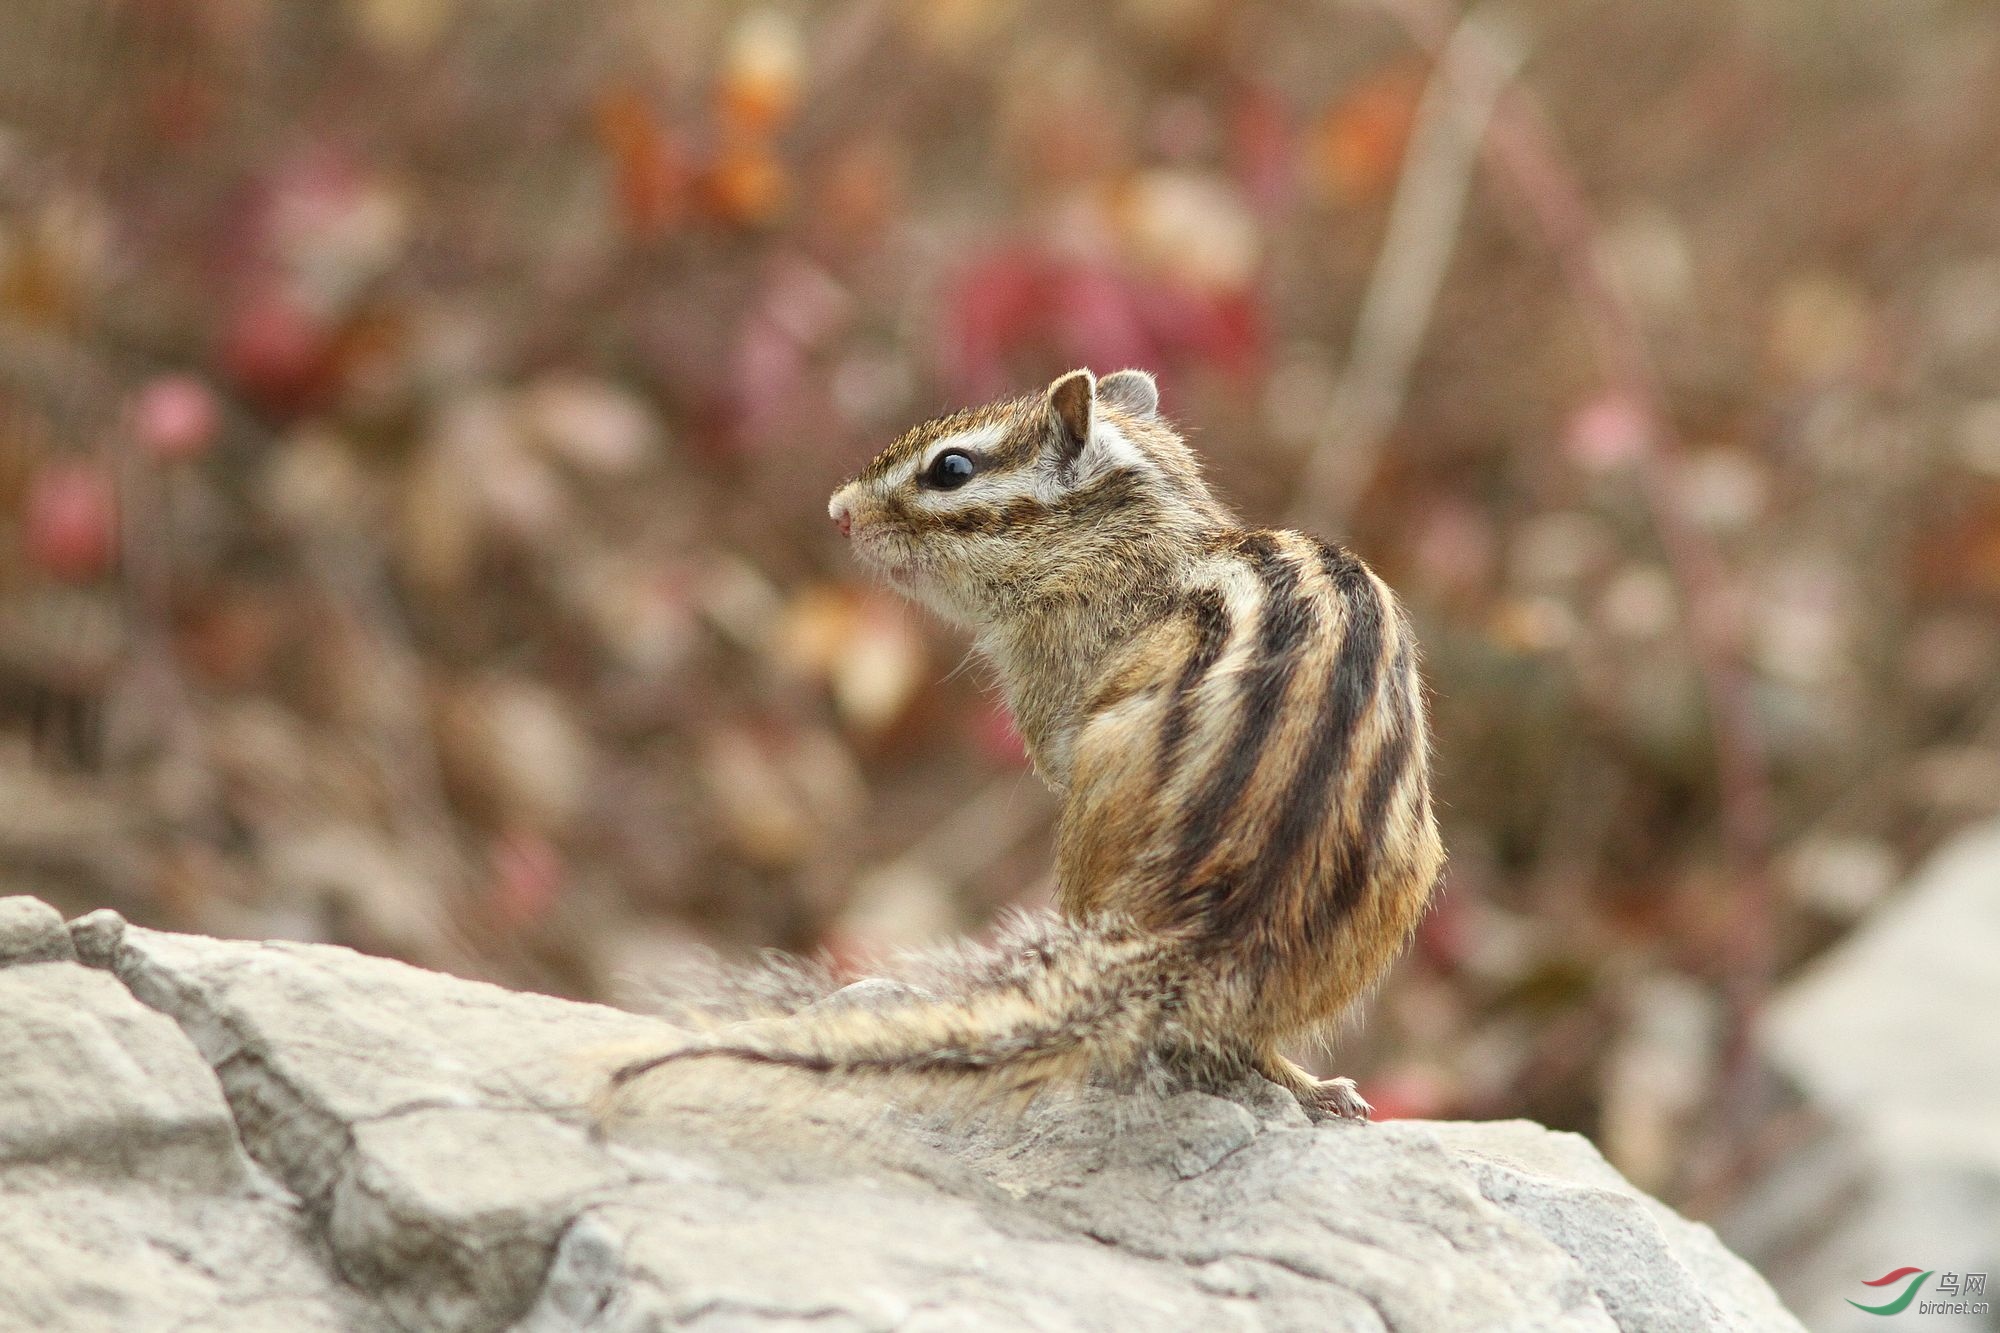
column 1072, row 400
column 1132, row 392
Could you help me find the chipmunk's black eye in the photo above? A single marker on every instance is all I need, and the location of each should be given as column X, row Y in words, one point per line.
column 950, row 470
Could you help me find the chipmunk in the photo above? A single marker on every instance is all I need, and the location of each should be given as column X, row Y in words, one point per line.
column 1231, row 716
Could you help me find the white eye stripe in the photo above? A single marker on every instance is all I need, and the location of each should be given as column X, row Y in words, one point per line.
column 971, row 441
column 1109, row 448
column 1019, row 485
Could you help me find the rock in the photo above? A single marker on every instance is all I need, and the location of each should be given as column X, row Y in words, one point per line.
column 1849, row 1030
column 1649, row 1267
column 126, row 1200
column 207, row 1134
column 31, row 931
column 1889, row 1038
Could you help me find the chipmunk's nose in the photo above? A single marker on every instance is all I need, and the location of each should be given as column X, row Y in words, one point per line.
column 842, row 516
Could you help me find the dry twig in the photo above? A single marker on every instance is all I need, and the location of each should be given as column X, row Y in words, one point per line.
column 1476, row 65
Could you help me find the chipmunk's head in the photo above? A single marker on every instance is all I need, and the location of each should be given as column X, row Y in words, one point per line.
column 985, row 512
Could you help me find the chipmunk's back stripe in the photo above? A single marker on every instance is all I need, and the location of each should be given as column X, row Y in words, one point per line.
column 1355, row 867
column 1211, row 636
column 1344, row 700
column 1392, row 762
column 1284, row 623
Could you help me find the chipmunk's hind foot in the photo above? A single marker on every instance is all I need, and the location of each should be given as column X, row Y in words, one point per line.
column 1339, row 1098
column 1323, row 1098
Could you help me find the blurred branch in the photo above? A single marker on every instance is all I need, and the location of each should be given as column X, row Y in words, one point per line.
column 1477, row 63
column 1523, row 153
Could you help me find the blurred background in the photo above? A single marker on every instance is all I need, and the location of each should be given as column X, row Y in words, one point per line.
column 417, row 416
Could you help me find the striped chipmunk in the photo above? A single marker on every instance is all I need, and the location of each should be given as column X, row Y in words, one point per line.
column 1232, row 718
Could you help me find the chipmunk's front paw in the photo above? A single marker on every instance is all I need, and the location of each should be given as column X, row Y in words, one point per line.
column 1339, row 1097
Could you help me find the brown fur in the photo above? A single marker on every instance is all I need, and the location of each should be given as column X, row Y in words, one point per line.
column 1234, row 720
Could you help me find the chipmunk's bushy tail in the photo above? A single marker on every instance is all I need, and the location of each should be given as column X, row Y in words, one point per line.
column 1051, row 1002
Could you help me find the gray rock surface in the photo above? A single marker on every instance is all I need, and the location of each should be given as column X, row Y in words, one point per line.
column 200, row 1134
column 31, row 931
column 1892, row 1039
